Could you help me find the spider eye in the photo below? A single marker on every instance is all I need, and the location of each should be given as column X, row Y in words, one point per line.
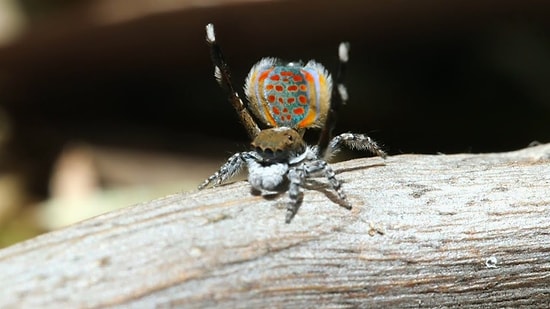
column 290, row 137
column 268, row 151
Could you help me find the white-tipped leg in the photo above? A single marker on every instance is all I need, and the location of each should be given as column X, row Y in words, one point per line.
column 223, row 77
column 231, row 168
column 340, row 97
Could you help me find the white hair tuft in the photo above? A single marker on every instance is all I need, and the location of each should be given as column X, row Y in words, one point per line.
column 343, row 92
column 218, row 74
column 210, row 35
column 343, row 51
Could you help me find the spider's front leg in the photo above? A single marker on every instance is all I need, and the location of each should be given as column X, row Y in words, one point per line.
column 318, row 166
column 339, row 98
column 354, row 141
column 233, row 165
column 296, row 176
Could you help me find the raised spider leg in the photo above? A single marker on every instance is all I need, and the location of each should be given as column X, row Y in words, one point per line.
column 354, row 141
column 223, row 76
column 233, row 165
column 339, row 97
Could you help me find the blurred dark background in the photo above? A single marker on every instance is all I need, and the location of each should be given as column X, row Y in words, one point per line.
column 105, row 103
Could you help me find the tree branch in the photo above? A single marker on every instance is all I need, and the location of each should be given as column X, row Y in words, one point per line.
column 425, row 231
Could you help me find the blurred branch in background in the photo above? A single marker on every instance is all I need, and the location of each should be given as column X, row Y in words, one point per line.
column 89, row 180
column 12, row 21
column 107, row 103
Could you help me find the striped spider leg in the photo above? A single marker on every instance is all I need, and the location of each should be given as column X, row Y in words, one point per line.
column 223, row 76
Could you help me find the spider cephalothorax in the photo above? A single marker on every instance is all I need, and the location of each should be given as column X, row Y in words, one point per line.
column 284, row 99
column 278, row 144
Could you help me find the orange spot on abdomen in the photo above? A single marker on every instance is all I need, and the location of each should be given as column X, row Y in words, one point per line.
column 298, row 111
column 263, row 75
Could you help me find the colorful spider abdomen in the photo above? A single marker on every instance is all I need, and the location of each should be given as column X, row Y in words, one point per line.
column 289, row 94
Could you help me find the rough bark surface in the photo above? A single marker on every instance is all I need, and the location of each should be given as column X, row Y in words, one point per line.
column 425, row 231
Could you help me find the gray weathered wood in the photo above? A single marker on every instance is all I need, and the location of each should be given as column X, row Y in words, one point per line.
column 425, row 231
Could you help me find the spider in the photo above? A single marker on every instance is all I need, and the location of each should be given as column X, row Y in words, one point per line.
column 285, row 99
